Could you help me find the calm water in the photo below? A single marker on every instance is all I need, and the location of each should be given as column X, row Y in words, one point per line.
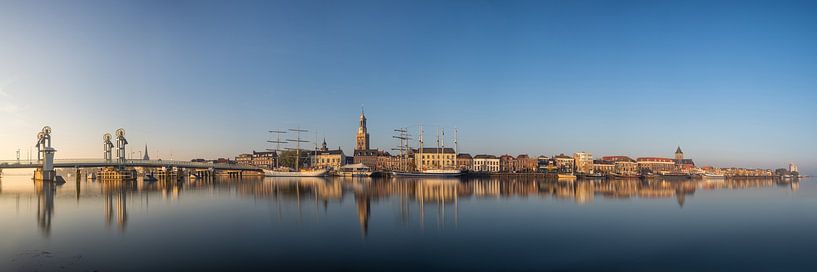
column 391, row 225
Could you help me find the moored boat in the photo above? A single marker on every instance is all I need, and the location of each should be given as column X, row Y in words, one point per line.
column 288, row 172
column 714, row 176
column 440, row 173
column 355, row 170
column 566, row 177
column 624, row 176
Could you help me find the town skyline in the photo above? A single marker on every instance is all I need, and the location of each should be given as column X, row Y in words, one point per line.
column 553, row 78
column 430, row 142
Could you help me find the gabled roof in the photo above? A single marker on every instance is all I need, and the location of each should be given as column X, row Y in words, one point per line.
column 678, row 150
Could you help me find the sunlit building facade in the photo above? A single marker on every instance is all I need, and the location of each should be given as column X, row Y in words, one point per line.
column 584, row 162
column 486, row 163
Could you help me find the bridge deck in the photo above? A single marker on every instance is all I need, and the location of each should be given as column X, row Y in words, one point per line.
column 88, row 163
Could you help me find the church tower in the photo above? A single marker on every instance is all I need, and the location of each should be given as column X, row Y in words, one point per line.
column 679, row 155
column 362, row 133
column 146, row 157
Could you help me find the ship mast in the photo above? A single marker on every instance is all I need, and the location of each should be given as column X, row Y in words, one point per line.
column 456, row 146
column 404, row 138
column 420, row 142
column 277, row 143
column 438, row 148
column 298, row 142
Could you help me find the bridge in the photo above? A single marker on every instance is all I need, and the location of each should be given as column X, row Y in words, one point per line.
column 45, row 164
column 92, row 163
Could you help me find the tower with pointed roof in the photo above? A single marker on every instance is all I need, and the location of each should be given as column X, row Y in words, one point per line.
column 679, row 155
column 362, row 134
column 146, row 157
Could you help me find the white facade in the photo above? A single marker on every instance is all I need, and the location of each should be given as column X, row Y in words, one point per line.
column 584, row 162
column 483, row 164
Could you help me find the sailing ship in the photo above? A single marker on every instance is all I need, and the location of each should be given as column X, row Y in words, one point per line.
column 438, row 171
column 296, row 171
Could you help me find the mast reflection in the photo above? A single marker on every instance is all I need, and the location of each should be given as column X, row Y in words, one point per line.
column 419, row 201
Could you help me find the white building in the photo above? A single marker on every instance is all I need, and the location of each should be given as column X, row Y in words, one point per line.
column 793, row 167
column 584, row 162
column 486, row 163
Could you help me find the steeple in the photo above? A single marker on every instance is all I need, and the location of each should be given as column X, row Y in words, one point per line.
column 362, row 139
column 323, row 146
column 679, row 155
column 146, row 157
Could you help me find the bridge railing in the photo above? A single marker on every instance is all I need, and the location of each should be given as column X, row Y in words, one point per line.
column 131, row 163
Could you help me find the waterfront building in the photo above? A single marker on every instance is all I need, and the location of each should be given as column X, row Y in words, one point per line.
column 744, row 172
column 264, row 159
column 526, row 164
column 792, row 168
column 623, row 165
column 604, row 167
column 564, row 163
column 506, row 163
column 583, row 161
column 369, row 157
column 542, row 163
column 683, row 164
column 465, row 162
column 224, row 160
column 243, row 159
column 434, row 158
column 655, row 164
column 395, row 163
column 329, row 158
column 486, row 163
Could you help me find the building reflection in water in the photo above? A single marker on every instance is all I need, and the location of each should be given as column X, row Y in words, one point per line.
column 416, row 196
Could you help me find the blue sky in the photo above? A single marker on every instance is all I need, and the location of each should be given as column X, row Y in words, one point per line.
column 732, row 82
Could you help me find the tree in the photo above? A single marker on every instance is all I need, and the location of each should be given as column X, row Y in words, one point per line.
column 287, row 158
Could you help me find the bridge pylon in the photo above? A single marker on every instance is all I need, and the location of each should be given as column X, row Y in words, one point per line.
column 45, row 156
column 121, row 142
column 107, row 146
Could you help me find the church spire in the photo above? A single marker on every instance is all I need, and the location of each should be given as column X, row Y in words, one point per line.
column 146, row 157
column 362, row 141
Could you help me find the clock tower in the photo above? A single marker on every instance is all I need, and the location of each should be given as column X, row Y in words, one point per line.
column 362, row 134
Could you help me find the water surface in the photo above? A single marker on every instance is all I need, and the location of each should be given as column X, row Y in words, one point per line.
column 484, row 224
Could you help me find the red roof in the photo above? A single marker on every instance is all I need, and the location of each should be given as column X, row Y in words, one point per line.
column 655, row 159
